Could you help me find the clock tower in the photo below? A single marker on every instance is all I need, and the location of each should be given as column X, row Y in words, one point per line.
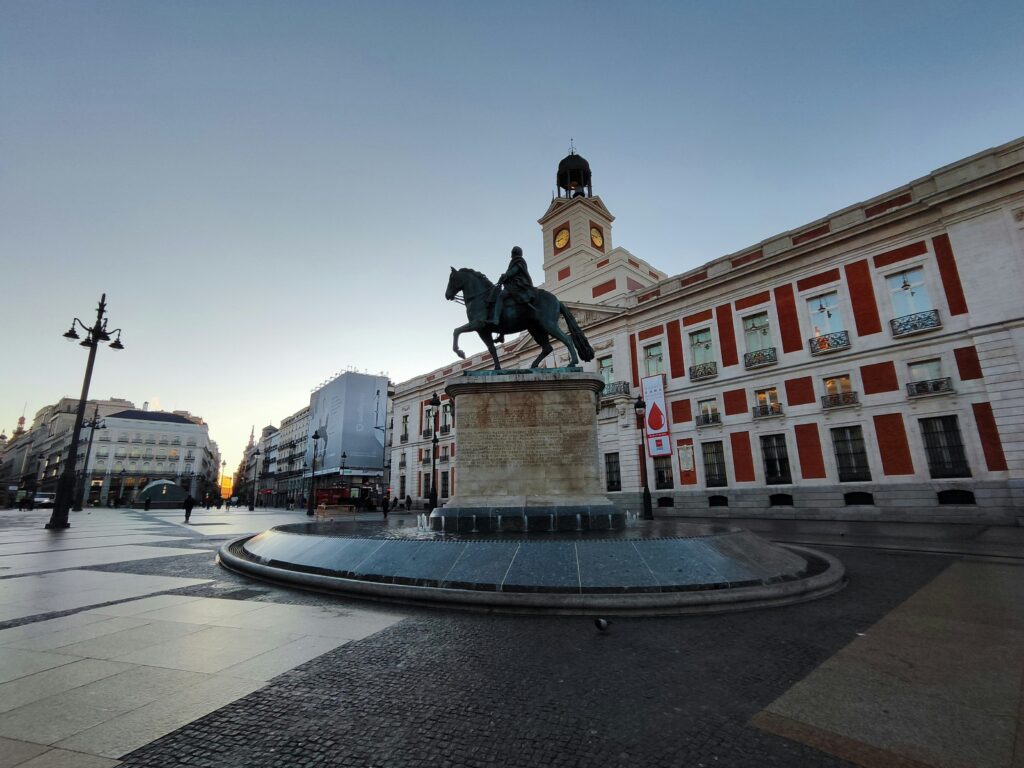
column 579, row 256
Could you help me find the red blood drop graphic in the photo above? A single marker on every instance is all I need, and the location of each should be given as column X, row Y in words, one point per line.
column 655, row 419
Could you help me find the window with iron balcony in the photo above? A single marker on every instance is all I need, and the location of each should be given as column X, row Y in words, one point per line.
column 926, row 379
column 707, row 413
column 703, row 355
column 911, row 306
column 760, row 351
column 767, row 403
column 826, row 322
column 838, row 392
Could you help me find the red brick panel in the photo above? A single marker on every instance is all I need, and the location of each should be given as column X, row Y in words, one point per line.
column 694, row 278
column 879, row 377
column 746, row 258
column 789, row 323
column 687, row 476
column 676, row 364
column 632, row 360
column 991, row 445
column 799, row 391
column 742, row 459
column 808, row 446
column 899, row 254
column 681, row 412
column 752, row 301
column 650, row 333
column 810, row 234
column 735, row 401
column 967, row 363
column 605, row 287
column 950, row 275
column 862, row 297
column 697, row 317
column 887, row 205
column 564, row 272
column 892, row 444
column 602, row 263
column 822, row 278
column 727, row 335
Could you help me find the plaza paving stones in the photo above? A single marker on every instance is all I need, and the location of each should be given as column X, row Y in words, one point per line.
column 917, row 663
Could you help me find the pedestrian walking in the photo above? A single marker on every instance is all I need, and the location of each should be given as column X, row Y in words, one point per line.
column 408, row 502
column 145, row 506
column 189, row 503
column 394, row 503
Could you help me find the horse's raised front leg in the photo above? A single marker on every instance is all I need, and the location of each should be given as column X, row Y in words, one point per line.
column 485, row 336
column 474, row 326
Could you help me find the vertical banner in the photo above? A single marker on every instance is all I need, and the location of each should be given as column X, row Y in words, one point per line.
column 655, row 418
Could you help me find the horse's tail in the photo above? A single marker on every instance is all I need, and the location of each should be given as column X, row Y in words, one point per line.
column 583, row 348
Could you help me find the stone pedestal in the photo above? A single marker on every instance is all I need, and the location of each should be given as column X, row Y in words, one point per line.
column 527, row 455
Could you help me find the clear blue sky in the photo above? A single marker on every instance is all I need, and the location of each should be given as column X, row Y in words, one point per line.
column 271, row 191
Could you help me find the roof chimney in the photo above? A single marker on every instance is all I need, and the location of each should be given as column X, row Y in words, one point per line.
column 145, row 406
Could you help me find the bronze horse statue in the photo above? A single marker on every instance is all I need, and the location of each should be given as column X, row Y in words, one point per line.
column 539, row 319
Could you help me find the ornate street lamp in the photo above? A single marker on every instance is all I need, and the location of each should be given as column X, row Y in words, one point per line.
column 435, row 404
column 344, row 466
column 641, row 414
column 310, row 509
column 93, row 426
column 255, row 476
column 94, row 336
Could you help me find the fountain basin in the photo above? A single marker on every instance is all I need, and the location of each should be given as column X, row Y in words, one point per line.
column 663, row 567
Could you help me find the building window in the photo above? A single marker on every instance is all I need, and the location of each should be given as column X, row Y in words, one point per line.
column 405, row 427
column 823, row 312
column 838, row 391
column 707, row 412
column 663, row 472
column 606, row 369
column 767, row 402
column 756, row 333
column 926, row 378
column 701, row 351
column 401, row 488
column 426, row 485
column 851, row 456
column 612, row 475
column 653, row 360
column 908, row 292
column 714, row 464
column 944, row 447
column 444, row 485
column 776, row 460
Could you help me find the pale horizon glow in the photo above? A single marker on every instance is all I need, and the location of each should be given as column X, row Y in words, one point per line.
column 273, row 192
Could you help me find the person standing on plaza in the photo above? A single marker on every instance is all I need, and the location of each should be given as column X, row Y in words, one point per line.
column 189, row 504
column 408, row 502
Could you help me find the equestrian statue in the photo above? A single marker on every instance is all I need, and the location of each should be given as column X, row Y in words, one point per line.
column 513, row 305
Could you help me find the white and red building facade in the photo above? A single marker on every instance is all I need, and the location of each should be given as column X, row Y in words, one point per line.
column 866, row 365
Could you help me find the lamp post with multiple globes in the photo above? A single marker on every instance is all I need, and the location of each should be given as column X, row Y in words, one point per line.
column 96, row 334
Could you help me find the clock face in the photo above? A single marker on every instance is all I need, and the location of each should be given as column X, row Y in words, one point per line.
column 596, row 237
column 562, row 238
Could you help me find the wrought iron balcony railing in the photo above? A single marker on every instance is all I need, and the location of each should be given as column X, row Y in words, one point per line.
column 445, row 429
column 768, row 409
column 442, row 459
column 426, row 433
column 613, row 388
column 703, row 371
column 839, row 400
column 829, row 342
column 403, row 439
column 929, row 387
column 426, row 460
column 402, row 464
column 707, row 419
column 915, row 323
column 760, row 358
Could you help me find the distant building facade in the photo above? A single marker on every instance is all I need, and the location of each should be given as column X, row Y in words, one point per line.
column 130, row 449
column 863, row 366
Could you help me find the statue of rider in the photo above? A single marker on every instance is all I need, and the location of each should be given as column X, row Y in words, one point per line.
column 517, row 285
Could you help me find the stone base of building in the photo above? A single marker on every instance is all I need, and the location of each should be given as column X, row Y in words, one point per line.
column 528, row 456
column 994, row 502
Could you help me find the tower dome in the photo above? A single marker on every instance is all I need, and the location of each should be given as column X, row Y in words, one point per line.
column 573, row 177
